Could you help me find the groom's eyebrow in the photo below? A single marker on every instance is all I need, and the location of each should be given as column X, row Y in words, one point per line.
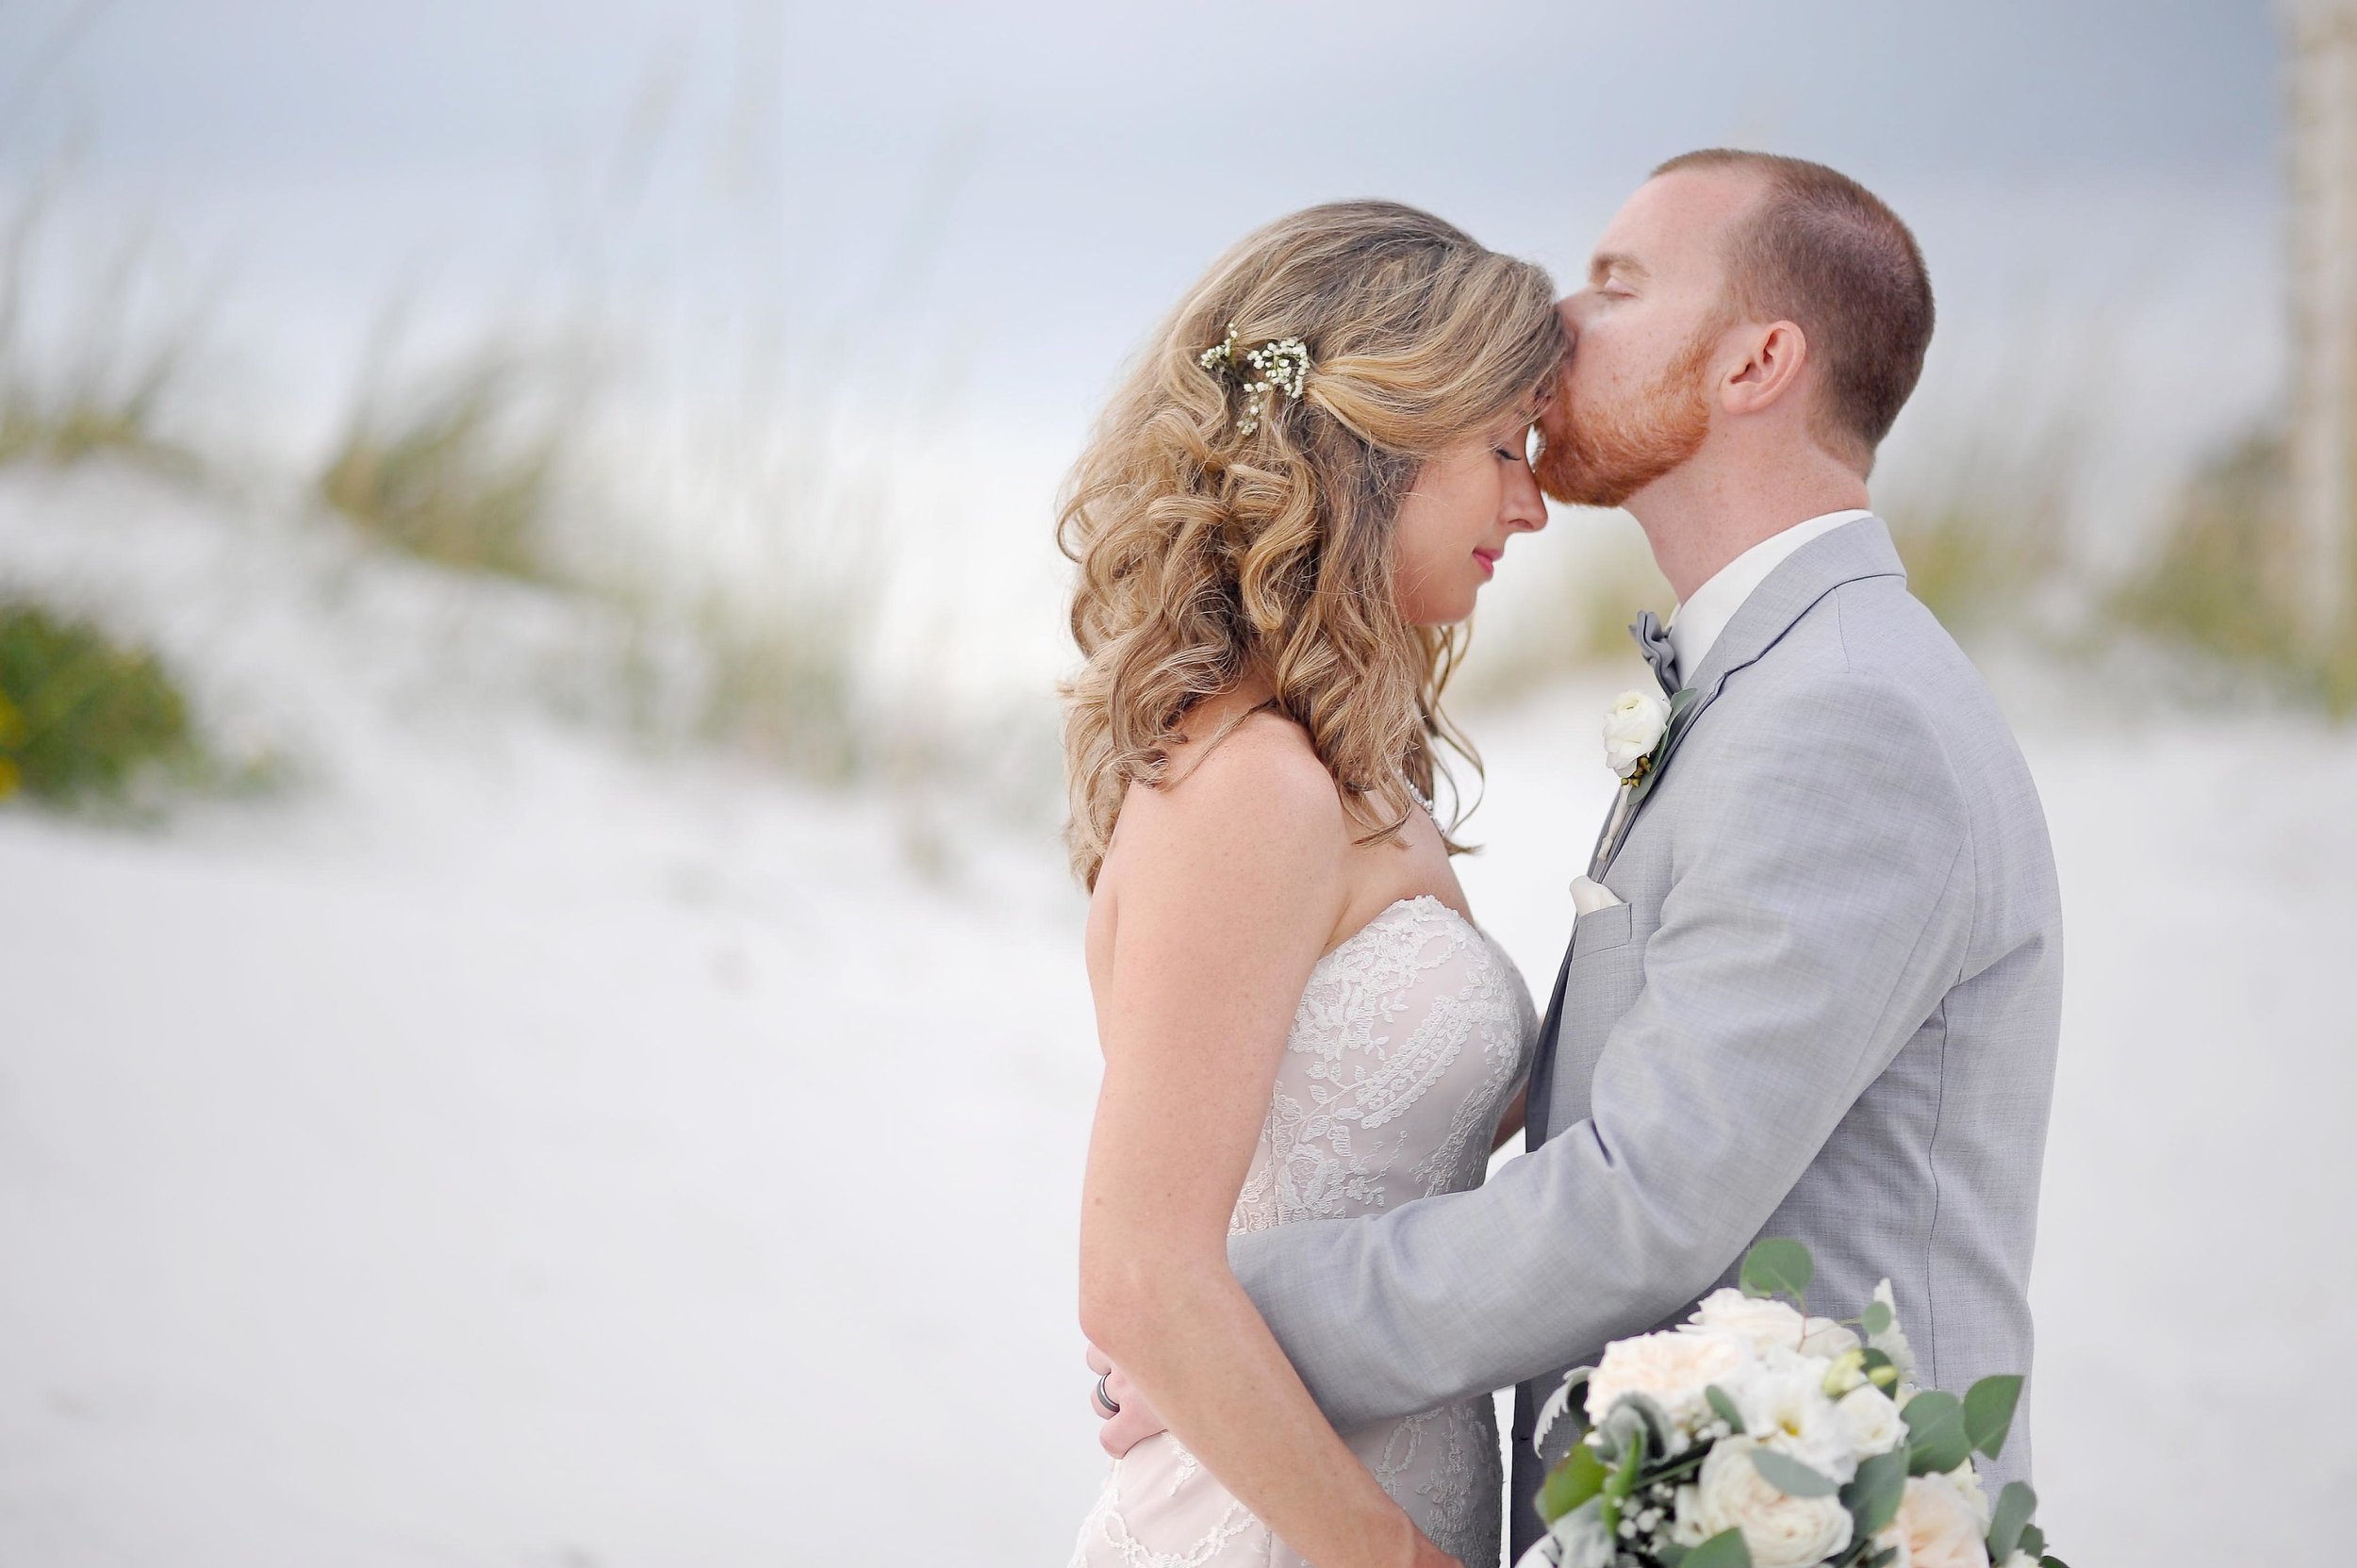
column 1604, row 263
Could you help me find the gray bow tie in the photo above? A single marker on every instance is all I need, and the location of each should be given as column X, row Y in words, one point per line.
column 1655, row 644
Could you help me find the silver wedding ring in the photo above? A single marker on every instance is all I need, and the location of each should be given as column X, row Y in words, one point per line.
column 1105, row 1397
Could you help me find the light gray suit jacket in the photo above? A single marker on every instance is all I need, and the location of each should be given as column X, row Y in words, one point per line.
column 1828, row 1009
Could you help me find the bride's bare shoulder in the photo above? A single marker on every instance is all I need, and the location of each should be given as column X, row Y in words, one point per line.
column 1256, row 792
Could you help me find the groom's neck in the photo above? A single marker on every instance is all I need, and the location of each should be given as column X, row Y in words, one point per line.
column 1705, row 513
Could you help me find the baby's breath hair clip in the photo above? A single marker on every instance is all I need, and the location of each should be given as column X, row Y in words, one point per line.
column 1280, row 364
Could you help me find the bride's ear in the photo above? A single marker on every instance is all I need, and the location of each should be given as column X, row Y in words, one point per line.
column 1770, row 373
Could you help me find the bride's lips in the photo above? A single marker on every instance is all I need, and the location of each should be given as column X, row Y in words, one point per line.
column 1488, row 559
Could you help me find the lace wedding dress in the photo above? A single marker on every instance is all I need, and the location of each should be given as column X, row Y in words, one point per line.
column 1410, row 1041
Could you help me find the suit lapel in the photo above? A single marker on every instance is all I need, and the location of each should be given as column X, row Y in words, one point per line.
column 1850, row 553
column 1539, row 1103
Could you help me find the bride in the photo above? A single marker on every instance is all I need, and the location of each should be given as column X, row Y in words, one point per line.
column 1283, row 518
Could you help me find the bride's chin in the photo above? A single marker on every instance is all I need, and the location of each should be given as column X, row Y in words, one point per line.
column 1453, row 617
column 1427, row 608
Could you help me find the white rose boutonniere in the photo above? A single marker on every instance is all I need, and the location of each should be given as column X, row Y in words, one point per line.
column 1632, row 728
column 1637, row 731
column 1635, row 734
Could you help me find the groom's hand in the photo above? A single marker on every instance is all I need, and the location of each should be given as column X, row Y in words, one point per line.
column 1133, row 1422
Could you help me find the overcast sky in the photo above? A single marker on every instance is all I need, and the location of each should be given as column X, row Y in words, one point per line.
column 1998, row 88
column 1008, row 196
column 999, row 168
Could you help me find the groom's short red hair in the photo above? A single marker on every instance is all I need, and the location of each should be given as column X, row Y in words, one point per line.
column 1827, row 254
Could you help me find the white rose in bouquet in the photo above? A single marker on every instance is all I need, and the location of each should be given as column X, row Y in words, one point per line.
column 1872, row 1421
column 1784, row 1406
column 1762, row 1322
column 1828, row 1339
column 1675, row 1369
column 1770, row 1325
column 1967, row 1482
column 1632, row 728
column 1779, row 1530
column 1941, row 1522
column 1769, row 1413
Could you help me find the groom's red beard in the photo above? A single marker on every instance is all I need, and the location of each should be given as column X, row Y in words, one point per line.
column 1599, row 455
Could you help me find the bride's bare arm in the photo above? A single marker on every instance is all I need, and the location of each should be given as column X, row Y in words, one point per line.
column 1230, row 884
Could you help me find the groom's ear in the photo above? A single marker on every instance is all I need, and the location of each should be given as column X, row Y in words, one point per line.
column 1769, row 374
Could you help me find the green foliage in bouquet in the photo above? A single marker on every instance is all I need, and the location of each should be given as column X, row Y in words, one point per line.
column 1779, row 1268
column 1604, row 1500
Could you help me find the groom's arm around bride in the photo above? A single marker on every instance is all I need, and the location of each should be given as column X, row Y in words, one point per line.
column 1821, row 1013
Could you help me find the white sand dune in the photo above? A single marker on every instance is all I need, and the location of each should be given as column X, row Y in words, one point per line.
column 511, row 1152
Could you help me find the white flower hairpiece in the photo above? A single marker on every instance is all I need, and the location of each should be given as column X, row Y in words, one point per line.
column 1280, row 364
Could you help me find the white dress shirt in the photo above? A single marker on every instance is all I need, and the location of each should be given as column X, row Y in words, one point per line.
column 1695, row 624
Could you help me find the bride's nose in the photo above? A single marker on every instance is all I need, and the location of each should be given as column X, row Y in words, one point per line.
column 1522, row 507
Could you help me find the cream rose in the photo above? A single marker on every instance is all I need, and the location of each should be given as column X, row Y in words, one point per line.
column 1967, row 1481
column 1872, row 1420
column 1828, row 1339
column 1632, row 728
column 1675, row 1369
column 1940, row 1524
column 1780, row 1531
column 1764, row 1324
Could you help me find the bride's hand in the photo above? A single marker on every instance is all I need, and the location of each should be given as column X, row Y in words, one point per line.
column 1133, row 1422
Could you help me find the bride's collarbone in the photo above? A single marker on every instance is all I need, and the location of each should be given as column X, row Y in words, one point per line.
column 1405, row 870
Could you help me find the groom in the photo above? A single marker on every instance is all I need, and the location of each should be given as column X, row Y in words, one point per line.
column 1817, row 991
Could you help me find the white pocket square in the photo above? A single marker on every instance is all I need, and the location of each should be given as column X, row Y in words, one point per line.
column 1588, row 896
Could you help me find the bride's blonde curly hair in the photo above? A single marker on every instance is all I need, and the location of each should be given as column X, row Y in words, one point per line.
column 1213, row 544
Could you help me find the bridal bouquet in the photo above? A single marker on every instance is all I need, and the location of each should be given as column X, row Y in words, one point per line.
column 1756, row 1436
